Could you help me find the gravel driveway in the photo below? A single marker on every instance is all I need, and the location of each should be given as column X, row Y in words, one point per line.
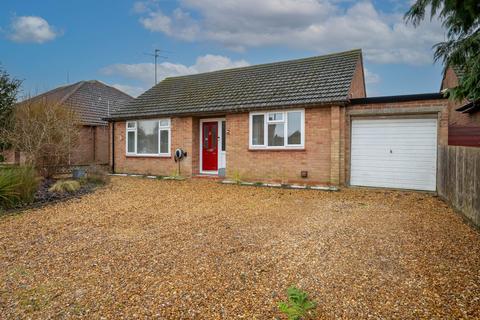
column 147, row 249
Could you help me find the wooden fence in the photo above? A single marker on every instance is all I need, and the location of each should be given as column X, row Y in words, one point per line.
column 459, row 179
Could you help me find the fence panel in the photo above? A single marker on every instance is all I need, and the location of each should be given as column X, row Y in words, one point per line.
column 459, row 179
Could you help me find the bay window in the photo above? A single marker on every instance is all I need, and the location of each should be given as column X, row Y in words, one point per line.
column 277, row 130
column 148, row 137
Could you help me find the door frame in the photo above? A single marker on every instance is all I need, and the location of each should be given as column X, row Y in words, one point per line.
column 219, row 144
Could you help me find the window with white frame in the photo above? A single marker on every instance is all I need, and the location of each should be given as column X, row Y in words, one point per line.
column 277, row 129
column 148, row 137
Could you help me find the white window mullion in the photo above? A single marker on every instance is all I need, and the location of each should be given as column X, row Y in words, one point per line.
column 265, row 130
column 136, row 138
column 159, row 138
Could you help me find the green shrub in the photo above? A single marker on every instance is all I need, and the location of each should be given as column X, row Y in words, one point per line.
column 63, row 186
column 298, row 306
column 9, row 194
column 17, row 186
column 2, row 158
column 97, row 175
column 27, row 177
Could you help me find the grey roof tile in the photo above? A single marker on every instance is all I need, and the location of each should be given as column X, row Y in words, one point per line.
column 322, row 79
column 92, row 100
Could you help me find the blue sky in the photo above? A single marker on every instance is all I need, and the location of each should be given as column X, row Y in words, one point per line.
column 43, row 41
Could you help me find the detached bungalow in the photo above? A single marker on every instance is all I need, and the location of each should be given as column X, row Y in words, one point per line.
column 92, row 101
column 302, row 121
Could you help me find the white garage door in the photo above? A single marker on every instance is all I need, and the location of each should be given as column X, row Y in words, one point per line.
column 394, row 153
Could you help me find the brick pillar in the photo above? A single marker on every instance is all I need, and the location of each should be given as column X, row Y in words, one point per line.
column 335, row 145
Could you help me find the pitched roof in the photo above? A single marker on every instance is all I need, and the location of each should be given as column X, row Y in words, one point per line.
column 92, row 100
column 317, row 80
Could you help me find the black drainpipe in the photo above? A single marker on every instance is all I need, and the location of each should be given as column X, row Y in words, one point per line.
column 113, row 146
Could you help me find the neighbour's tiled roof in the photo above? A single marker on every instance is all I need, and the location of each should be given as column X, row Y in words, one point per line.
column 317, row 80
column 92, row 100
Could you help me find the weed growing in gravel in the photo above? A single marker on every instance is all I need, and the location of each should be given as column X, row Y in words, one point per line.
column 298, row 306
column 237, row 177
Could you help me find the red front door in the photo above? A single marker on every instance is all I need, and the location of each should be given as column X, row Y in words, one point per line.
column 210, row 146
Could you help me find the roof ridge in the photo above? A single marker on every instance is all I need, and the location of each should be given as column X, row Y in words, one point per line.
column 41, row 95
column 78, row 85
column 253, row 66
column 112, row 87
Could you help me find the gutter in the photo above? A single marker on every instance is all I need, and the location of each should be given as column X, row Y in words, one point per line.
column 399, row 98
column 341, row 103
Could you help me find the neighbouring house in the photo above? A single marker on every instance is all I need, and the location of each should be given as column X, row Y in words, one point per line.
column 92, row 101
column 464, row 117
column 302, row 121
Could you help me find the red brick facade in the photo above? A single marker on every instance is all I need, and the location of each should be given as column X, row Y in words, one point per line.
column 464, row 128
column 184, row 133
column 325, row 155
column 92, row 147
column 284, row 165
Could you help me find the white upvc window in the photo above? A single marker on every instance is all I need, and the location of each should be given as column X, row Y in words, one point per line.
column 148, row 137
column 277, row 129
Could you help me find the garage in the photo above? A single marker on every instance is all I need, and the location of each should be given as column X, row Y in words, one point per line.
column 394, row 153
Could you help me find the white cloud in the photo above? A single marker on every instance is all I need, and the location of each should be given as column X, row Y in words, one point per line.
column 32, row 29
column 319, row 25
column 145, row 72
column 131, row 90
column 370, row 77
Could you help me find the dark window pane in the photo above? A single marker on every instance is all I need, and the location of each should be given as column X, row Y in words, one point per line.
column 131, row 141
column 224, row 135
column 214, row 138
column 205, row 137
column 294, row 128
column 147, row 135
column 258, row 129
column 276, row 136
column 164, row 141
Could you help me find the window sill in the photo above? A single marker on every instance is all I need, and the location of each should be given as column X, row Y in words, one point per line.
column 148, row 156
column 277, row 149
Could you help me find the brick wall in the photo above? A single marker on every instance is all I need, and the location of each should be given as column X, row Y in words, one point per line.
column 184, row 133
column 101, row 145
column 286, row 165
column 458, row 119
column 92, row 147
column 84, row 150
column 357, row 88
column 12, row 157
column 325, row 156
column 439, row 107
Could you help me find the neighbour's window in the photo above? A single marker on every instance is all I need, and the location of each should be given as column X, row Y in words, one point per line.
column 148, row 137
column 277, row 130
